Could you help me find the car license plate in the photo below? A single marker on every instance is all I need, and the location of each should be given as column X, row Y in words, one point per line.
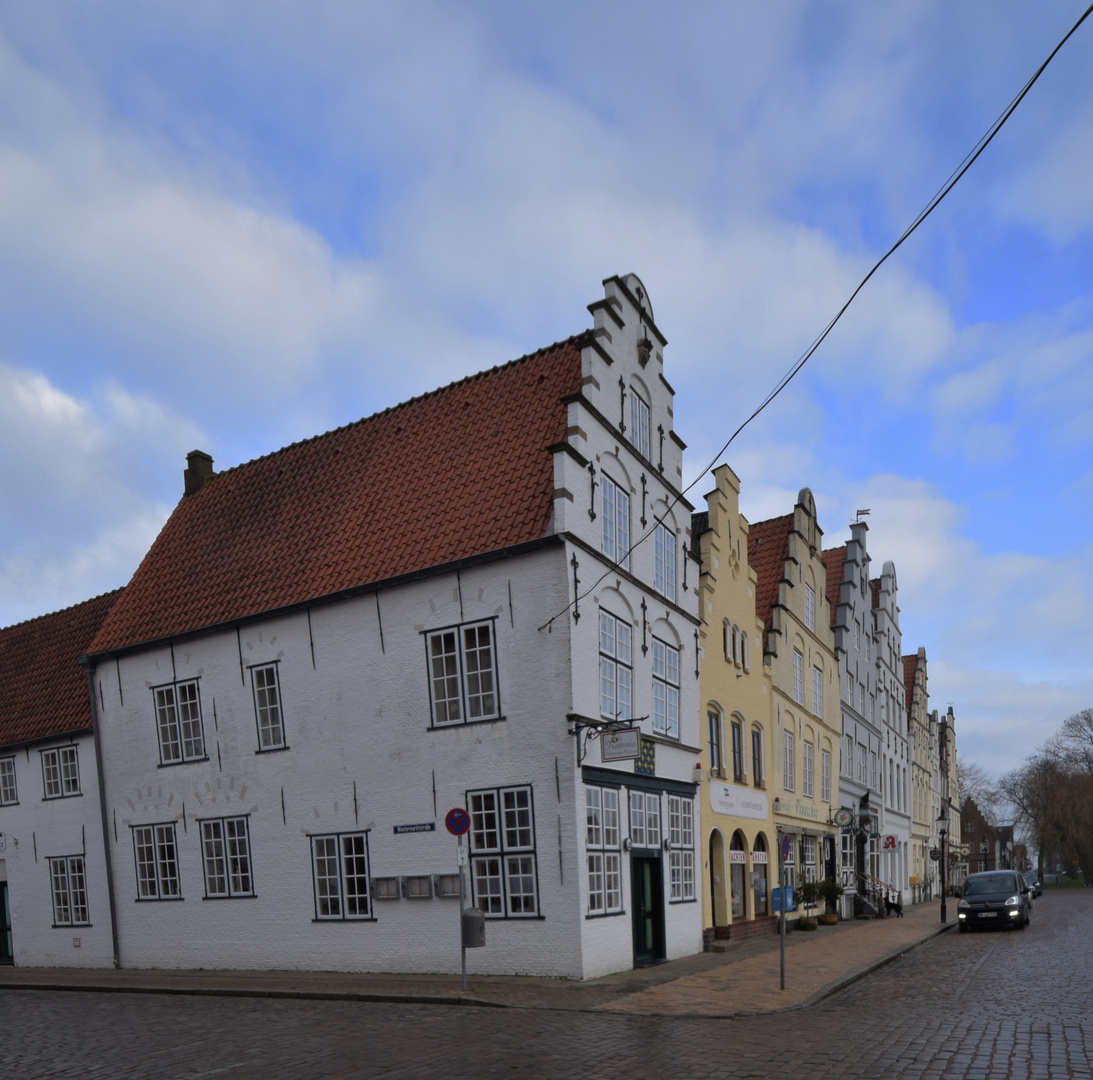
column 988, row 915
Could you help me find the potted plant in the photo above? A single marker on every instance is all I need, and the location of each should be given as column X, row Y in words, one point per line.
column 830, row 891
column 808, row 892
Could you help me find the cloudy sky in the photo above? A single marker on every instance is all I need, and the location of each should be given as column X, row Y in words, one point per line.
column 230, row 226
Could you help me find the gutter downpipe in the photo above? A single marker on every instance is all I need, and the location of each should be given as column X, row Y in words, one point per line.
column 85, row 663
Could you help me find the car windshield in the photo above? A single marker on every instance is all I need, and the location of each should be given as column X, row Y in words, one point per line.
column 988, row 883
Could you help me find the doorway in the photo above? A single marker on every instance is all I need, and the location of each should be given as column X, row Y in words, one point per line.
column 6, row 955
column 737, row 860
column 648, row 895
column 718, row 916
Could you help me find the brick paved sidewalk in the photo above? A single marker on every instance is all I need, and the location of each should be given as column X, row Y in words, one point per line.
column 744, row 979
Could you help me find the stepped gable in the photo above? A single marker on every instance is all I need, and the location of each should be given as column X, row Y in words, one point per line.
column 910, row 665
column 44, row 688
column 455, row 473
column 768, row 542
column 833, row 564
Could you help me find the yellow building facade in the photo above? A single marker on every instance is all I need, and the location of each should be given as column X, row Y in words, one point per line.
column 739, row 857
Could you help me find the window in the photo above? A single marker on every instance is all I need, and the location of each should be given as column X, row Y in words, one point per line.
column 503, row 871
column 787, row 760
column 385, row 888
column 644, row 819
column 664, row 562
column 178, row 723
column 339, row 867
column 861, row 700
column 862, row 777
column 825, row 775
column 681, row 855
column 757, row 756
column 602, row 842
column 737, row 751
column 60, row 772
column 806, row 771
column 817, row 692
column 225, row 850
column 9, row 793
column 463, row 674
column 665, row 689
column 615, row 506
column 448, row 886
column 857, row 635
column 639, row 423
column 615, row 672
column 744, row 649
column 267, row 707
column 69, row 888
column 717, row 757
column 156, row 855
column 808, row 845
column 798, row 677
column 810, row 607
column 873, row 769
column 848, row 756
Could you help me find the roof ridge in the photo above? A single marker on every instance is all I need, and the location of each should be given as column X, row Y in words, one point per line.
column 61, row 611
column 571, row 340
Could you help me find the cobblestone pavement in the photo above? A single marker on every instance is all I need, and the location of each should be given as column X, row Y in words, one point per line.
column 962, row 1007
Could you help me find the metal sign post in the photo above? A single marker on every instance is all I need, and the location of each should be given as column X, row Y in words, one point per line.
column 457, row 822
column 783, row 851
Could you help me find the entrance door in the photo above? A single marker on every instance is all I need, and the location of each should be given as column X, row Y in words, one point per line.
column 6, row 955
column 648, row 890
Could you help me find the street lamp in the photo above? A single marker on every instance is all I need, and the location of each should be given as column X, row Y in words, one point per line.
column 943, row 835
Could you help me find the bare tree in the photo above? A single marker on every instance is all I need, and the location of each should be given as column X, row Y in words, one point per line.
column 975, row 782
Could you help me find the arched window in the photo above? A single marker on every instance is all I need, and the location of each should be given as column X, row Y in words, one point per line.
column 744, row 649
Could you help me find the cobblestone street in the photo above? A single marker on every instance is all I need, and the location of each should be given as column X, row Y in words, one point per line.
column 988, row 1005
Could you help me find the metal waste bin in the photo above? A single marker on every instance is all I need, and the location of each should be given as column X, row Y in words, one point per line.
column 474, row 928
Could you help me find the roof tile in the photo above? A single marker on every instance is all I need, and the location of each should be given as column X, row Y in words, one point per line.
column 768, row 543
column 834, row 564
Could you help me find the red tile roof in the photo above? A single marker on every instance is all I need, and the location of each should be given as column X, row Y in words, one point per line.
column 44, row 689
column 874, row 587
column 910, row 665
column 833, row 564
column 768, row 542
column 455, row 473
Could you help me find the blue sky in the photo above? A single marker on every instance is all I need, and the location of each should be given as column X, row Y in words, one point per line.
column 232, row 226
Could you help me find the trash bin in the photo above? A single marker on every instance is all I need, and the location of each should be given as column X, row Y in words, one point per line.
column 474, row 929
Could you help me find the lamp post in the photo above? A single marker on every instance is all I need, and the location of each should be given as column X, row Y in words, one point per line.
column 943, row 835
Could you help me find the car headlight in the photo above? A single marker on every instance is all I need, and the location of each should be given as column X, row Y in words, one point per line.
column 1013, row 901
column 963, row 904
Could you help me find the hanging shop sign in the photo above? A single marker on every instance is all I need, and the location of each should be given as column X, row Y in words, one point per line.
column 622, row 745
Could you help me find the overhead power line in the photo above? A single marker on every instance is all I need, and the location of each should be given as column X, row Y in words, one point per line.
column 954, row 177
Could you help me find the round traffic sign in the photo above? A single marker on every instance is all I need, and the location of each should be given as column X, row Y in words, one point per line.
column 458, row 821
column 786, row 841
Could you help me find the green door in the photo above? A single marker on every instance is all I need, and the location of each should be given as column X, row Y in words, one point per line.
column 6, row 956
column 648, row 893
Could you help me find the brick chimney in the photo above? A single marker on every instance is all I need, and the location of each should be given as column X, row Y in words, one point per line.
column 199, row 470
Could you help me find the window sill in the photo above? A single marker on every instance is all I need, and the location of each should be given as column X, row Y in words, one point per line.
column 236, row 896
column 158, row 899
column 603, row 915
column 349, row 919
column 467, row 723
column 72, row 925
column 184, row 761
column 271, row 749
column 676, row 903
column 68, row 795
column 515, row 918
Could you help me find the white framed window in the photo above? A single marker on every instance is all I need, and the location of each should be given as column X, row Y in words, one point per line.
column 873, row 769
column 155, row 854
column 463, row 674
column 757, row 774
column 717, row 753
column 862, row 775
column 861, row 699
column 639, row 423
column 68, row 884
column 787, row 760
column 267, row 707
column 503, row 867
column 848, row 756
column 602, row 839
column 9, row 793
column 810, row 607
column 615, row 517
column 736, row 728
column 798, row 677
column 665, row 689
column 681, row 855
column 225, row 857
column 60, row 772
column 817, row 692
column 825, row 775
column 616, row 674
column 728, row 632
column 339, row 870
column 806, row 770
column 744, row 650
column 664, row 562
column 808, row 852
column 178, row 723
column 644, row 819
